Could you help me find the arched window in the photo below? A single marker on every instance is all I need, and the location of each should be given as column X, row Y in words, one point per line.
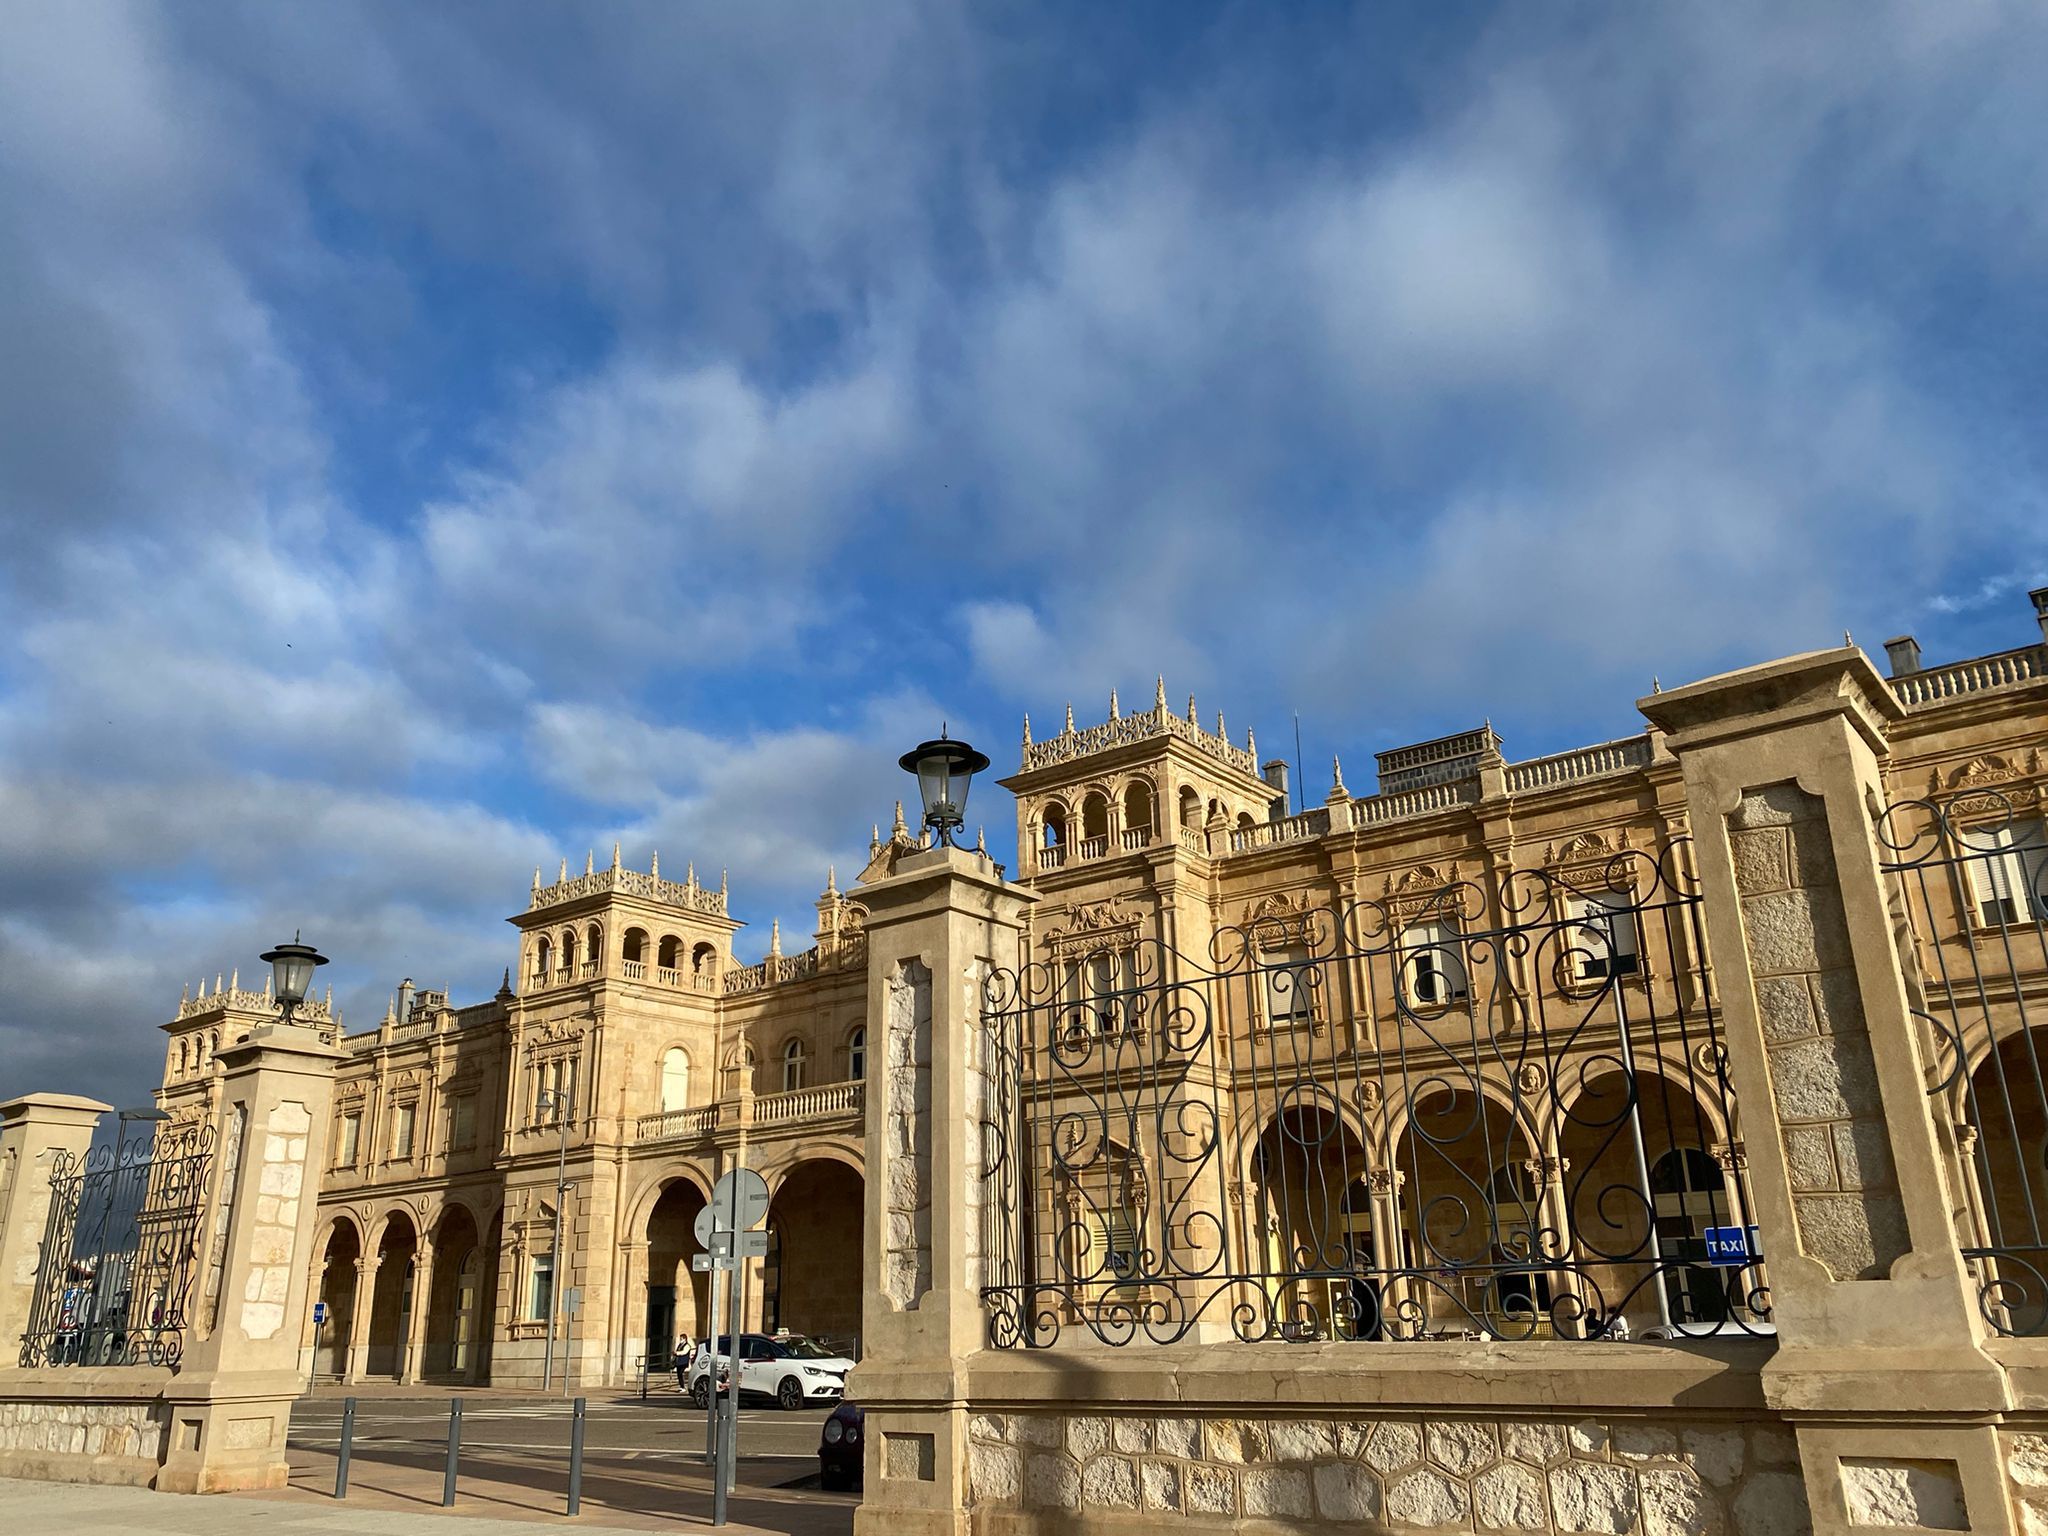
column 1245, row 822
column 1138, row 808
column 675, row 1079
column 543, row 958
column 1432, row 966
column 792, row 1066
column 593, row 946
column 213, row 1044
column 1094, row 817
column 1190, row 807
column 704, row 960
column 668, row 954
column 185, row 1057
column 857, row 1053
column 1055, row 825
column 569, row 952
column 635, row 950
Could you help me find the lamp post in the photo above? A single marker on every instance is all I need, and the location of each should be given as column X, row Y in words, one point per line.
column 560, row 1102
column 291, row 971
column 943, row 769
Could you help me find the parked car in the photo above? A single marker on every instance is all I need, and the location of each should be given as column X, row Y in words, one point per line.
column 787, row 1367
column 839, row 1448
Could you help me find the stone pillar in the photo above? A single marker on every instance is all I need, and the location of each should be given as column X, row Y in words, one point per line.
column 230, row 1402
column 360, row 1307
column 936, row 925
column 419, row 1314
column 1880, row 1360
column 34, row 1130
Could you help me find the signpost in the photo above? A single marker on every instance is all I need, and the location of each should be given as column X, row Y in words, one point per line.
column 1733, row 1247
column 739, row 1203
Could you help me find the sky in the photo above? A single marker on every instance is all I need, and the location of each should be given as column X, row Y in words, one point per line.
column 438, row 440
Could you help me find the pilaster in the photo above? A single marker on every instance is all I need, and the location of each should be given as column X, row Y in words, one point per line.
column 35, row 1131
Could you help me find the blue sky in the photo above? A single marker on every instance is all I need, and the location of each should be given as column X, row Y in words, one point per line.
column 436, row 440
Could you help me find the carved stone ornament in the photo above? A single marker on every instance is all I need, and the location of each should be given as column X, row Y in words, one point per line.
column 1279, row 918
column 557, row 1032
column 1529, row 1078
column 1423, row 891
column 1588, row 861
column 1099, row 926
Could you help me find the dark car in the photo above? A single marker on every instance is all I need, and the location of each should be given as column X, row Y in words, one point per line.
column 839, row 1449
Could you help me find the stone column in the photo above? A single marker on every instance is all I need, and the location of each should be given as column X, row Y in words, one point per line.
column 1880, row 1359
column 632, row 1308
column 230, row 1402
column 36, row 1130
column 360, row 1307
column 419, row 1314
column 936, row 925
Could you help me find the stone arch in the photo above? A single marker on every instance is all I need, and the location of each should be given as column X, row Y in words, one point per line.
column 810, row 1282
column 633, row 946
column 1140, row 805
column 457, row 1310
column 340, row 1246
column 677, row 1296
column 704, row 960
column 1190, row 808
column 392, row 1299
column 1056, row 824
column 675, row 1079
column 1095, row 814
column 1310, row 1181
column 543, row 957
column 668, row 953
column 568, row 948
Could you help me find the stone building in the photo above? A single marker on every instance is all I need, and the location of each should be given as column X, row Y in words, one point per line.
column 1441, row 1061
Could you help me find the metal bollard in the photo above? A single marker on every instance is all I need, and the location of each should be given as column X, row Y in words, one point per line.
column 348, row 1434
column 576, row 1459
column 454, row 1451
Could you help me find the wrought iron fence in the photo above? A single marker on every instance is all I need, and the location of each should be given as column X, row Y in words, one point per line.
column 120, row 1249
column 1376, row 1120
column 1973, row 869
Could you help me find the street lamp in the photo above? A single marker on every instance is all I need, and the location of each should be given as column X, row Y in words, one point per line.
column 291, row 971
column 943, row 769
column 561, row 1103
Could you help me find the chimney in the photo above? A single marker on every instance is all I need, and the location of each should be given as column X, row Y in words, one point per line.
column 405, row 1002
column 2039, row 598
column 1904, row 652
column 1275, row 774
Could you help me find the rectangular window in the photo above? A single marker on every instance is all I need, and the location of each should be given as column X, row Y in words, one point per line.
column 1602, row 937
column 1432, row 965
column 541, row 1290
column 347, row 1138
column 462, row 1122
column 1289, row 987
column 402, row 1118
column 2009, row 872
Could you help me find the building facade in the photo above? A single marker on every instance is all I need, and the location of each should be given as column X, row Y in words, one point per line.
column 1441, row 1060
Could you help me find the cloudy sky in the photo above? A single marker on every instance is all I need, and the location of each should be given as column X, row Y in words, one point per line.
column 438, row 439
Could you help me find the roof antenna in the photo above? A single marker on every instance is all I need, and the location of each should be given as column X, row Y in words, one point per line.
column 1300, row 773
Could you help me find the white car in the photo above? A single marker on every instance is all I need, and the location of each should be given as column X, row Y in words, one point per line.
column 788, row 1367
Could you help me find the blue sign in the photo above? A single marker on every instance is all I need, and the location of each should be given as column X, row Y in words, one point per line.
column 1733, row 1246
column 319, row 1313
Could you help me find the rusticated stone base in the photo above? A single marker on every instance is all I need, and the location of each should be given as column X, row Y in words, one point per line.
column 1480, row 1474
column 82, row 1441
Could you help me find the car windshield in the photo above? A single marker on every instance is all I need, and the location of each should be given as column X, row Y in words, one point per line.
column 800, row 1348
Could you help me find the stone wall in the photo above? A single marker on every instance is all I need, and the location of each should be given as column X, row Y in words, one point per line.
column 1661, row 1477
column 53, row 1426
column 1844, row 1193
column 907, row 1165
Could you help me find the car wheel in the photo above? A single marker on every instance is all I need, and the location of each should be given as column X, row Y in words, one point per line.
column 700, row 1392
column 790, row 1394
column 832, row 1480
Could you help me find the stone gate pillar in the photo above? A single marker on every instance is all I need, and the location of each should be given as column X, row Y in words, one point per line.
column 33, row 1130
column 231, row 1399
column 1880, row 1361
column 939, row 920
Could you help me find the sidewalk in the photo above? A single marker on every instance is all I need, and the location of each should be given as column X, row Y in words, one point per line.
column 387, row 1509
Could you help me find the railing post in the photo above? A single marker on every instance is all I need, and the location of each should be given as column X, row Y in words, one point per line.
column 454, row 1451
column 348, row 1435
column 1880, row 1358
column 576, row 1452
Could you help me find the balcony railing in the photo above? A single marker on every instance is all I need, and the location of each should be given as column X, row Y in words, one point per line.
column 1622, row 756
column 677, row 1123
column 811, row 1103
column 634, row 970
column 1289, row 829
column 1378, row 809
column 1135, row 838
column 1094, row 847
column 1919, row 689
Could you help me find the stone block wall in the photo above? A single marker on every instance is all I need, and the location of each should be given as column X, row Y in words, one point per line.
column 1660, row 1477
column 59, row 1437
column 1844, row 1192
column 907, row 1164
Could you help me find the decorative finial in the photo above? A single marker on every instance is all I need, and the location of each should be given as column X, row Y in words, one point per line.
column 1114, row 712
column 1193, row 718
column 1337, row 789
column 615, row 858
column 235, row 980
column 185, row 995
column 981, row 839
column 690, row 874
column 1159, row 694
column 874, row 838
column 216, row 984
column 775, row 937
column 1220, row 731
column 266, row 988
column 1070, row 718
column 504, row 987
column 330, row 993
column 590, row 861
column 831, row 879
column 721, row 885
column 536, row 879
column 899, row 830
column 564, row 875
column 1846, row 640
column 654, row 866
column 1656, row 684
column 1251, row 744
column 1027, row 730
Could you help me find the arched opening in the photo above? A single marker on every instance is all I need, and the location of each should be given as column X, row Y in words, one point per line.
column 857, row 1053
column 1471, row 1227
column 812, row 1282
column 1315, row 1208
column 593, row 947
column 792, row 1066
column 1055, row 825
column 569, row 952
column 1611, row 1211
column 668, row 955
column 1190, row 808
column 455, row 1318
column 391, row 1302
column 675, row 1079
column 634, row 949
column 338, row 1290
column 1245, row 822
column 1138, row 818
column 704, row 961
column 678, row 1298
column 543, row 958
column 2006, row 1170
column 1094, row 823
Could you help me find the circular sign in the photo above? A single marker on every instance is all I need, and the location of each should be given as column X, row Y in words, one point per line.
column 739, row 1202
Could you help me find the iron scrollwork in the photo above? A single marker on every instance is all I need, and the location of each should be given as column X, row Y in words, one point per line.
column 1379, row 1119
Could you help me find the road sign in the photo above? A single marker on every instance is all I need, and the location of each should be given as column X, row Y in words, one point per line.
column 702, row 1262
column 1732, row 1247
column 738, row 1201
column 572, row 1300
column 319, row 1313
column 753, row 1245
